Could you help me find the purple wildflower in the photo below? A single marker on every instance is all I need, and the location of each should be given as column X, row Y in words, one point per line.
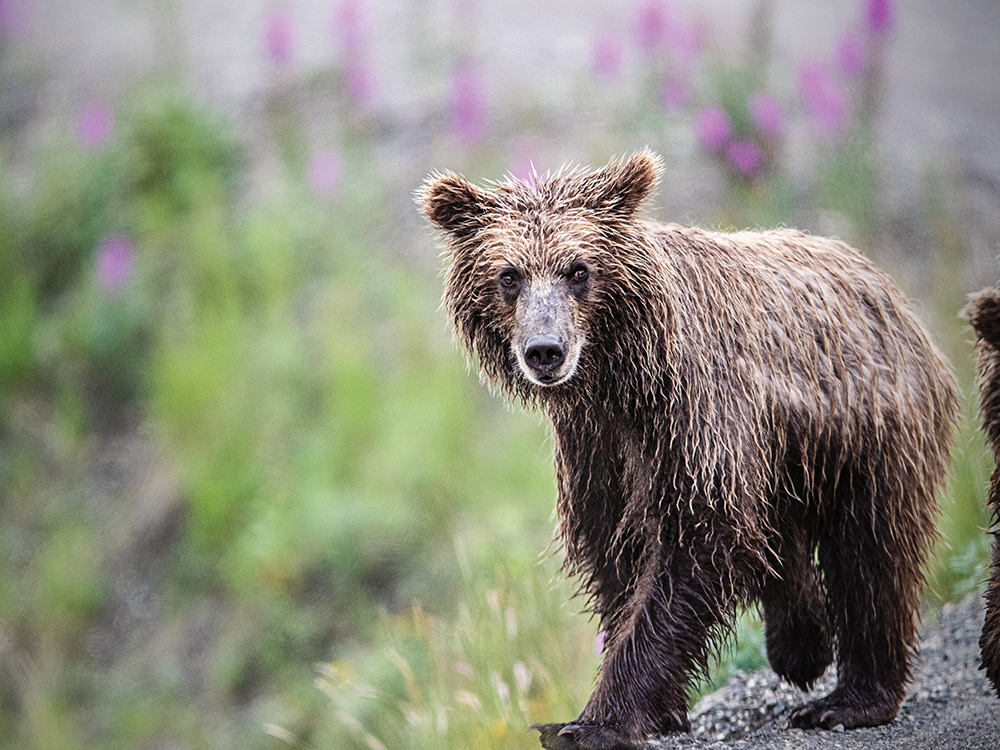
column 767, row 114
column 115, row 259
column 713, row 128
column 94, row 125
column 599, row 643
column 824, row 101
column 851, row 54
column 324, row 173
column 12, row 18
column 607, row 54
column 349, row 23
column 744, row 157
column 687, row 40
column 360, row 81
column 468, row 108
column 651, row 25
column 278, row 35
column 675, row 92
column 5, row 16
column 880, row 15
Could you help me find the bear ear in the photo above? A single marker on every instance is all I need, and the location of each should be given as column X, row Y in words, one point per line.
column 454, row 204
column 622, row 186
column 983, row 314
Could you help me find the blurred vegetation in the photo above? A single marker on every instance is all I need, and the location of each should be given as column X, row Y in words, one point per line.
column 250, row 495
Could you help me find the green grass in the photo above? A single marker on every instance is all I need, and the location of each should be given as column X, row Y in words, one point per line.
column 513, row 654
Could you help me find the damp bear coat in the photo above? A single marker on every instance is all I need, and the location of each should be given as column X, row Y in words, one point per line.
column 983, row 313
column 737, row 418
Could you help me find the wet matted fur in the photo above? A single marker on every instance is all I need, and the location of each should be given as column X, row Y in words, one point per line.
column 983, row 314
column 737, row 417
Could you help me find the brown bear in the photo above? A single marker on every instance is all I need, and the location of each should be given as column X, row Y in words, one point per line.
column 737, row 418
column 983, row 313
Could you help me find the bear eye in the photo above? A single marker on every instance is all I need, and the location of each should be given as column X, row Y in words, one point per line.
column 508, row 279
column 579, row 273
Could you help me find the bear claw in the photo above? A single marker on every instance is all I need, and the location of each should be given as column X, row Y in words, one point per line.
column 833, row 711
column 583, row 737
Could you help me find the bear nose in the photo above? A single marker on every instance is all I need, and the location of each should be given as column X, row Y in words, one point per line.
column 544, row 353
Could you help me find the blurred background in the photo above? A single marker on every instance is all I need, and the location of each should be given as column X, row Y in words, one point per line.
column 250, row 494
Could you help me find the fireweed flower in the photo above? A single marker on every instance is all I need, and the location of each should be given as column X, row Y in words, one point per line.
column 607, row 55
column 713, row 128
column 11, row 18
column 349, row 27
column 278, row 35
column 651, row 25
column 468, row 108
column 744, row 157
column 767, row 114
column 686, row 40
column 675, row 92
column 360, row 81
column 324, row 173
column 880, row 15
column 851, row 54
column 115, row 260
column 824, row 101
column 94, row 125
column 349, row 23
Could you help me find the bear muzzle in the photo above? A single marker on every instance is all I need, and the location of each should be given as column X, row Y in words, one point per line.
column 546, row 341
column 544, row 354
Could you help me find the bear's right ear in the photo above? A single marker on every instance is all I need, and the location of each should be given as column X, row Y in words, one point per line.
column 454, row 204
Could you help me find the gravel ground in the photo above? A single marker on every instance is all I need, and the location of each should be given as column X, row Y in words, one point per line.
column 950, row 705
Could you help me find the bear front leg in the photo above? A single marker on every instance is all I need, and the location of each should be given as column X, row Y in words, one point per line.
column 657, row 643
column 572, row 736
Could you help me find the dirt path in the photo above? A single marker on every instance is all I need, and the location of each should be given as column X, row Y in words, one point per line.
column 950, row 705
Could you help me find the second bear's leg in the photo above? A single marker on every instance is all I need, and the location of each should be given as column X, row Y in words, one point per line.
column 871, row 567
column 798, row 640
column 989, row 641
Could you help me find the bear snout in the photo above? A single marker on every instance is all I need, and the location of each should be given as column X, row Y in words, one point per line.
column 544, row 354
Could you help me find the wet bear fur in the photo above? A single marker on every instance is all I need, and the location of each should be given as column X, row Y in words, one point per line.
column 737, row 418
column 983, row 313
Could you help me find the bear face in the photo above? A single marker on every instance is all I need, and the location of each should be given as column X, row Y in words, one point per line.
column 545, row 261
column 546, row 337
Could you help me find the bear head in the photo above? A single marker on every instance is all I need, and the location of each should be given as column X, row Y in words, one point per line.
column 535, row 267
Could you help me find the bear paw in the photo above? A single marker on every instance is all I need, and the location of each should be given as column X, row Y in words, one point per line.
column 836, row 710
column 584, row 737
column 803, row 665
column 799, row 647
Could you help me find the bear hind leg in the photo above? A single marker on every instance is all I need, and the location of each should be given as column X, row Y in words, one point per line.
column 872, row 580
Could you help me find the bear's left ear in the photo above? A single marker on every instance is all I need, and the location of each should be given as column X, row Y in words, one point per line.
column 622, row 186
column 454, row 204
